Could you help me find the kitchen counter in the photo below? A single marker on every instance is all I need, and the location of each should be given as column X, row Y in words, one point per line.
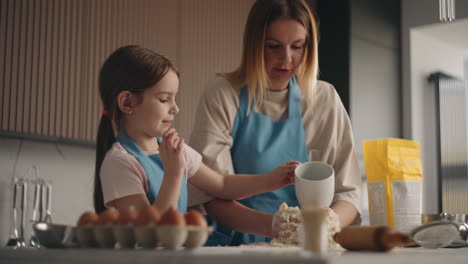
column 225, row 255
column 401, row 256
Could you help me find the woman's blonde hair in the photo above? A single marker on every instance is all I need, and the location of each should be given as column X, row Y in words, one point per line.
column 252, row 71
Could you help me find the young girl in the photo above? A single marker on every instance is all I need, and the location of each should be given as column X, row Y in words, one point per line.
column 140, row 159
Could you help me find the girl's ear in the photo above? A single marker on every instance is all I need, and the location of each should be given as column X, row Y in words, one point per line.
column 125, row 101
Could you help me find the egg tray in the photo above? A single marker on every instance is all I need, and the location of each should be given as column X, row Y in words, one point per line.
column 151, row 236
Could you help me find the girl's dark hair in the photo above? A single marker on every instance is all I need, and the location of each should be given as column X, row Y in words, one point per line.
column 129, row 68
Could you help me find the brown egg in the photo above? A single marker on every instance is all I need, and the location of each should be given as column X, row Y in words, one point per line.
column 172, row 217
column 195, row 218
column 148, row 215
column 88, row 218
column 109, row 216
column 127, row 216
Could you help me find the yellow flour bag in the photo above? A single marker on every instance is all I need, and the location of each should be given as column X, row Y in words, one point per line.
column 394, row 182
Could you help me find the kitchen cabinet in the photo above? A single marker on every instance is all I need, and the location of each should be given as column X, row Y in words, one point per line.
column 52, row 52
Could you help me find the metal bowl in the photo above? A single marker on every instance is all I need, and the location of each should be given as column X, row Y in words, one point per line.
column 460, row 221
column 55, row 236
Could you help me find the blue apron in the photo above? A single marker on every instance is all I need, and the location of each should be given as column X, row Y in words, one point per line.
column 261, row 145
column 154, row 171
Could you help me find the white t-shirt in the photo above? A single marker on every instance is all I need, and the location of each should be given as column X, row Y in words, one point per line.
column 122, row 175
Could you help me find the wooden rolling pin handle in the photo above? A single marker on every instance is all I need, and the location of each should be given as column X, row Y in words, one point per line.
column 394, row 239
column 373, row 238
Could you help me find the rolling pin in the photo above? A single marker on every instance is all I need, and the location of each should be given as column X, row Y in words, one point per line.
column 372, row 238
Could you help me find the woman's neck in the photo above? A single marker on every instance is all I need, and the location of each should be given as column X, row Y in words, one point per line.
column 237, row 82
column 278, row 86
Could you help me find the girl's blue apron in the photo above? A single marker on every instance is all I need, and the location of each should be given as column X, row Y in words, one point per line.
column 154, row 170
column 260, row 146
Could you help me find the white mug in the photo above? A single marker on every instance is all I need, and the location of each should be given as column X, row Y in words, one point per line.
column 314, row 184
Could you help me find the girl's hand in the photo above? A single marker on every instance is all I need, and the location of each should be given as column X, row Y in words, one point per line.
column 284, row 174
column 171, row 151
column 282, row 227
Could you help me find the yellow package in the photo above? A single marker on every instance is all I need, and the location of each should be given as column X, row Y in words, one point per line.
column 394, row 182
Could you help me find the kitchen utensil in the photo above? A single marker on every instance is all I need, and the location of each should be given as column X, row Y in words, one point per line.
column 441, row 233
column 55, row 236
column 314, row 184
column 14, row 239
column 36, row 213
column 19, row 192
column 47, row 189
column 370, row 238
column 24, row 202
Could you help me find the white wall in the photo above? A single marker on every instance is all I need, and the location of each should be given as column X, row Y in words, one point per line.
column 422, row 55
column 428, row 55
column 466, row 71
column 416, row 13
column 70, row 168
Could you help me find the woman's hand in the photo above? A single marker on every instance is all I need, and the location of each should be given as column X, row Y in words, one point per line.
column 284, row 174
column 171, row 151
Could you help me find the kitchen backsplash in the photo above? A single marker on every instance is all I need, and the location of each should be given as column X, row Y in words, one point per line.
column 70, row 168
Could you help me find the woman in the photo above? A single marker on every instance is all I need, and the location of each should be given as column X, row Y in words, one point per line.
column 272, row 109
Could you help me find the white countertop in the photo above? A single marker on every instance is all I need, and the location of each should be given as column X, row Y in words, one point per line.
column 224, row 255
column 401, row 256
